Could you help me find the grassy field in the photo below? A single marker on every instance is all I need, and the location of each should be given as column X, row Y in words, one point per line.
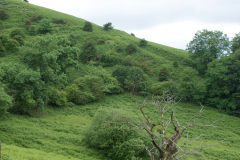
column 58, row 134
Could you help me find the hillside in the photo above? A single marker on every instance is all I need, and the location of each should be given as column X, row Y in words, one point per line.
column 55, row 75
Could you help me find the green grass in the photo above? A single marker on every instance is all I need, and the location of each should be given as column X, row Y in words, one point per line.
column 57, row 134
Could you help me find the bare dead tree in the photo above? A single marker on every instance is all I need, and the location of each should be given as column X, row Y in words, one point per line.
column 165, row 147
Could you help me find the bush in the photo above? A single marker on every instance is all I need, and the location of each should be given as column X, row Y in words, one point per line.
column 119, row 49
column 110, row 133
column 57, row 98
column 89, row 52
column 5, row 102
column 110, row 60
column 130, row 49
column 18, row 35
column 131, row 78
column 107, row 26
column 100, row 41
column 59, row 21
column 87, row 27
column 3, row 15
column 175, row 64
column 163, row 75
column 44, row 27
column 143, row 43
column 160, row 87
column 35, row 18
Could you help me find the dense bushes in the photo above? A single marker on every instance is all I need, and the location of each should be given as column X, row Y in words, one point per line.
column 89, row 52
column 110, row 133
column 163, row 75
column 7, row 44
column 131, row 48
column 5, row 102
column 3, row 15
column 143, row 43
column 160, row 87
column 223, row 81
column 132, row 79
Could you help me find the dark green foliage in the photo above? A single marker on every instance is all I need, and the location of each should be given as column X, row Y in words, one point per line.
column 85, row 90
column 163, row 74
column 8, row 45
column 3, row 15
column 223, row 77
column 87, row 27
column 26, row 87
column 100, row 41
column 131, row 48
column 235, row 43
column 35, row 18
column 191, row 88
column 44, row 27
column 59, row 21
column 109, row 60
column 89, row 52
column 119, row 49
column 143, row 43
column 207, row 46
column 25, row 1
column 110, row 134
column 132, row 34
column 161, row 87
column 107, row 26
column 5, row 102
column 131, row 78
column 18, row 35
column 175, row 64
column 57, row 97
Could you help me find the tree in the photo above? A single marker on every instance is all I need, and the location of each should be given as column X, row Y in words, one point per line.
column 131, row 48
column 107, row 26
column 223, row 81
column 207, row 46
column 235, row 43
column 166, row 145
column 87, row 27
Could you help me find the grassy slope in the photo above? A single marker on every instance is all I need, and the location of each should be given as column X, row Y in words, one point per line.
column 57, row 134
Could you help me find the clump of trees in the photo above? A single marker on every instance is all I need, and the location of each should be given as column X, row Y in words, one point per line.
column 131, row 48
column 3, row 15
column 143, row 43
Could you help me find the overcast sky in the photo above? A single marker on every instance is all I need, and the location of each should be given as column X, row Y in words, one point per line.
column 168, row 22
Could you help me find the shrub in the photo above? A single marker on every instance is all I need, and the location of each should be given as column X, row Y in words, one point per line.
column 119, row 49
column 175, row 64
column 89, row 52
column 131, row 78
column 59, row 21
column 110, row 60
column 163, row 75
column 3, row 15
column 87, row 27
column 44, row 27
column 57, row 98
column 11, row 45
column 5, row 102
column 160, row 87
column 131, row 48
column 75, row 95
column 100, row 41
column 143, row 43
column 107, row 26
column 110, row 133
column 35, row 18
column 18, row 35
